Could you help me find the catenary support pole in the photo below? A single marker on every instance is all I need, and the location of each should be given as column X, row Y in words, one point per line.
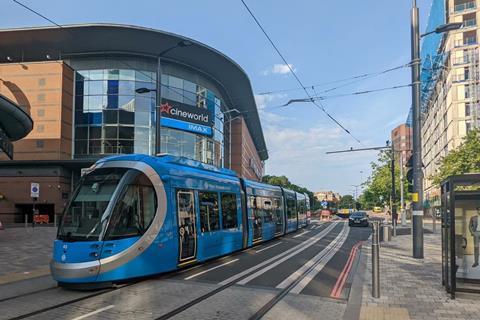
column 417, row 213
column 158, row 113
column 402, row 200
column 394, row 193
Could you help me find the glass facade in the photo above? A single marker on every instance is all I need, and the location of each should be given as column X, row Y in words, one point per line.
column 111, row 118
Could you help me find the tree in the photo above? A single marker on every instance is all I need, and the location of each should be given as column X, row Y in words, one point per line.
column 282, row 181
column 347, row 202
column 378, row 187
column 464, row 159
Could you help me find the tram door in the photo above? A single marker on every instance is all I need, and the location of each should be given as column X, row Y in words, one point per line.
column 187, row 232
column 257, row 218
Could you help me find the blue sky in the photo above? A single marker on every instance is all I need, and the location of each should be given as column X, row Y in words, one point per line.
column 324, row 41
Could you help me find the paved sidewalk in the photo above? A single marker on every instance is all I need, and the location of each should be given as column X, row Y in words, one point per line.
column 411, row 288
column 25, row 252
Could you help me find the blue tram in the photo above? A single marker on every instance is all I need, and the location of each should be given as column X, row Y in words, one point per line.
column 136, row 215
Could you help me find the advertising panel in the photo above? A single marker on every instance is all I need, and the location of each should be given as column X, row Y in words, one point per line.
column 185, row 117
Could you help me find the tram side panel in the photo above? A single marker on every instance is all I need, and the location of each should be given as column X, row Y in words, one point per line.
column 290, row 210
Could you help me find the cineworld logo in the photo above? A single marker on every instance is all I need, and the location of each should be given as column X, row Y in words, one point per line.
column 175, row 112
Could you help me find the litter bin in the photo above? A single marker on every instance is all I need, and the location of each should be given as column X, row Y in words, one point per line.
column 387, row 233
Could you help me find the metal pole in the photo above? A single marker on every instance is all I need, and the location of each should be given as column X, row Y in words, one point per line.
column 417, row 214
column 158, row 114
column 375, row 260
column 402, row 200
column 394, row 194
column 230, row 143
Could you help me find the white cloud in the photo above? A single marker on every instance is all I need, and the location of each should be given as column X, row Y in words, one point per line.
column 278, row 68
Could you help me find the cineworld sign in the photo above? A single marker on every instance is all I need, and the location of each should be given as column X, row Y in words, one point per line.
column 186, row 117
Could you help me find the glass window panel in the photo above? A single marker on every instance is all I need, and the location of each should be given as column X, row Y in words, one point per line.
column 190, row 98
column 79, row 103
column 110, row 132
column 110, row 146
column 112, row 87
column 174, row 94
column 125, row 146
column 112, row 102
column 96, row 87
column 143, row 104
column 209, row 215
column 95, row 132
column 79, row 85
column 82, row 74
column 146, row 76
column 126, row 117
column 81, row 147
column 165, row 79
column 175, row 82
column 81, row 117
column 95, row 103
column 210, row 100
column 126, row 103
column 95, row 118
column 142, row 140
column 127, row 75
column 81, row 133
column 95, row 75
column 142, row 118
column 110, row 116
column 126, row 88
column 112, row 74
column 188, row 145
column 229, row 211
column 148, row 85
column 94, row 146
column 126, row 133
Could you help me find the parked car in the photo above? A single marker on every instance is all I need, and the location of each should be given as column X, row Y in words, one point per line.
column 358, row 218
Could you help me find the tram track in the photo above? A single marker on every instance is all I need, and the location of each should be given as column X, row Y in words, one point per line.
column 251, row 271
column 160, row 277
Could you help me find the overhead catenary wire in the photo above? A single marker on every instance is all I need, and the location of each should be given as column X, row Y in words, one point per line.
column 319, row 104
column 355, row 79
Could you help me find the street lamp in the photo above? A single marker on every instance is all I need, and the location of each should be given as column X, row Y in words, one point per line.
column 417, row 214
column 158, row 90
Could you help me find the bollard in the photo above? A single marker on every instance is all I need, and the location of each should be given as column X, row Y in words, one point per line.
column 395, row 228
column 387, row 233
column 375, row 260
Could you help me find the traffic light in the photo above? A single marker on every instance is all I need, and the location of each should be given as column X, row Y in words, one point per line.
column 409, row 166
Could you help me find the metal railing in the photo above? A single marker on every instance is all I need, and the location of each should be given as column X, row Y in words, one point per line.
column 465, row 42
column 469, row 23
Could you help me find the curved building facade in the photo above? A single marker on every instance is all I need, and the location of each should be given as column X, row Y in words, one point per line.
column 97, row 90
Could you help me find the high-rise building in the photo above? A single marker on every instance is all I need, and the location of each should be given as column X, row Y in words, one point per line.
column 450, row 84
column 80, row 84
column 402, row 142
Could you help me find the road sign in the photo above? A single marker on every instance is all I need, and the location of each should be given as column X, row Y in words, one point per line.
column 415, row 197
column 34, row 190
column 324, row 204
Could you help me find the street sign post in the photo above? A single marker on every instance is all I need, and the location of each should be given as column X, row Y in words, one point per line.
column 34, row 194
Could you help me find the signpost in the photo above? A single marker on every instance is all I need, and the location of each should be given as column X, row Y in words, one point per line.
column 34, row 194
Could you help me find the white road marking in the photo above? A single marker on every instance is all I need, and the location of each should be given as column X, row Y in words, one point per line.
column 300, row 234
column 94, row 312
column 318, row 260
column 311, row 242
column 308, row 242
column 273, row 245
column 205, row 271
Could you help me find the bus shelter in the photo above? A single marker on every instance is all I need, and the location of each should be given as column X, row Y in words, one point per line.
column 460, row 199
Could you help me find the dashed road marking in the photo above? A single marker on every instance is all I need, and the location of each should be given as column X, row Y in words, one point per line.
column 94, row 312
column 205, row 271
column 273, row 245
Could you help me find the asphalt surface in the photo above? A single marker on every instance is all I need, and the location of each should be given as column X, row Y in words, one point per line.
column 310, row 262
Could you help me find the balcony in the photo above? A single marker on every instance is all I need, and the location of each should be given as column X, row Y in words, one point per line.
column 464, row 7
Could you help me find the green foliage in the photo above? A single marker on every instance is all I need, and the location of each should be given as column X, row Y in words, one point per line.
column 347, row 202
column 378, row 187
column 282, row 181
column 464, row 159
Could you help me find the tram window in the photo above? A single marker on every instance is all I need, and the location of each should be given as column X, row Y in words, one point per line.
column 277, row 211
column 135, row 211
column 267, row 209
column 209, row 213
column 291, row 209
column 229, row 211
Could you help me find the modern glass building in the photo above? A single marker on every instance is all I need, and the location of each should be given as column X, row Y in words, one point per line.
column 96, row 90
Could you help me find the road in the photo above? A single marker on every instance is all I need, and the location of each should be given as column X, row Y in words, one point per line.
column 303, row 275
